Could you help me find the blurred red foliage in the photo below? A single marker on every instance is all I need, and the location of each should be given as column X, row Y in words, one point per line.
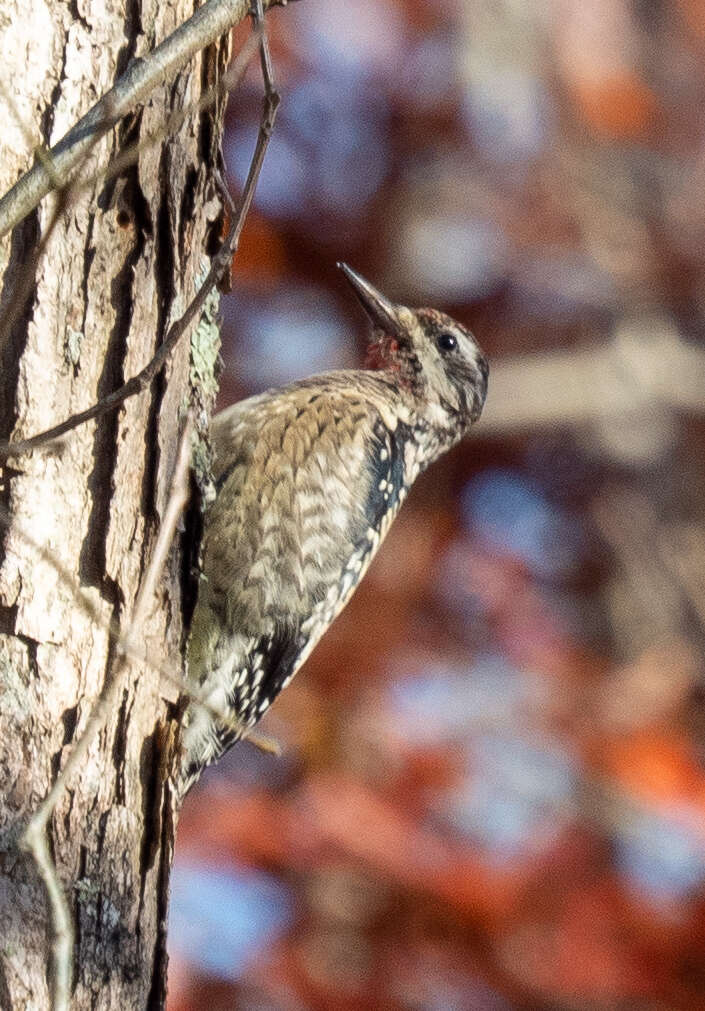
column 493, row 782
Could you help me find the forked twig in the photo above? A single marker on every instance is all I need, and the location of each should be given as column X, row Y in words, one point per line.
column 203, row 28
column 220, row 263
column 126, row 158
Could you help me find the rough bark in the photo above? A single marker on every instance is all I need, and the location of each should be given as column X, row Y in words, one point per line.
column 122, row 263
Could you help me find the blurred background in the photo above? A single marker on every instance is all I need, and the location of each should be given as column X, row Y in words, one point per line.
column 492, row 787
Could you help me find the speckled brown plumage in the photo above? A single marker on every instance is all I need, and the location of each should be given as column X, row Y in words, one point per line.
column 308, row 479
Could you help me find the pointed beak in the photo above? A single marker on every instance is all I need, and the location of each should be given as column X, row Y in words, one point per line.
column 381, row 311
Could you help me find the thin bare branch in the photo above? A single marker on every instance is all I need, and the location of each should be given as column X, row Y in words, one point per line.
column 35, row 842
column 205, row 26
column 220, row 263
column 143, row 379
column 129, row 156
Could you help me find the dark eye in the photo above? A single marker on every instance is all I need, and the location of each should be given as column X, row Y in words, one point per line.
column 446, row 342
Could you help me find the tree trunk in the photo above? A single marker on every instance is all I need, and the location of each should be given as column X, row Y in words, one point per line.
column 122, row 263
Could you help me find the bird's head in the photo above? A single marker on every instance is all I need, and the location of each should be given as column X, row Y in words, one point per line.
column 436, row 359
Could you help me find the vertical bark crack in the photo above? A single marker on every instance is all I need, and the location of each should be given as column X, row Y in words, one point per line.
column 133, row 29
column 12, row 345
column 92, row 561
column 157, row 994
column 119, row 745
column 164, row 266
column 47, row 121
column 164, row 252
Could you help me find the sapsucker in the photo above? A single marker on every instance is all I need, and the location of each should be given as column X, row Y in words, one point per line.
column 308, row 479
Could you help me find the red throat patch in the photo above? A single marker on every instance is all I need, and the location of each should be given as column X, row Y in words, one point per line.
column 383, row 354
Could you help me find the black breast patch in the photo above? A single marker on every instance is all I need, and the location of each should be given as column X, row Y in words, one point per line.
column 386, row 466
column 270, row 664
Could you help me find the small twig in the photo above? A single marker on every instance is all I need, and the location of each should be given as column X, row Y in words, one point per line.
column 125, row 159
column 40, row 153
column 202, row 29
column 265, row 744
column 34, row 838
column 269, row 112
column 137, row 383
column 220, row 263
column 35, row 841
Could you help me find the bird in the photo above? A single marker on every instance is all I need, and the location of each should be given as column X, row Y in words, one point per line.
column 308, row 478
